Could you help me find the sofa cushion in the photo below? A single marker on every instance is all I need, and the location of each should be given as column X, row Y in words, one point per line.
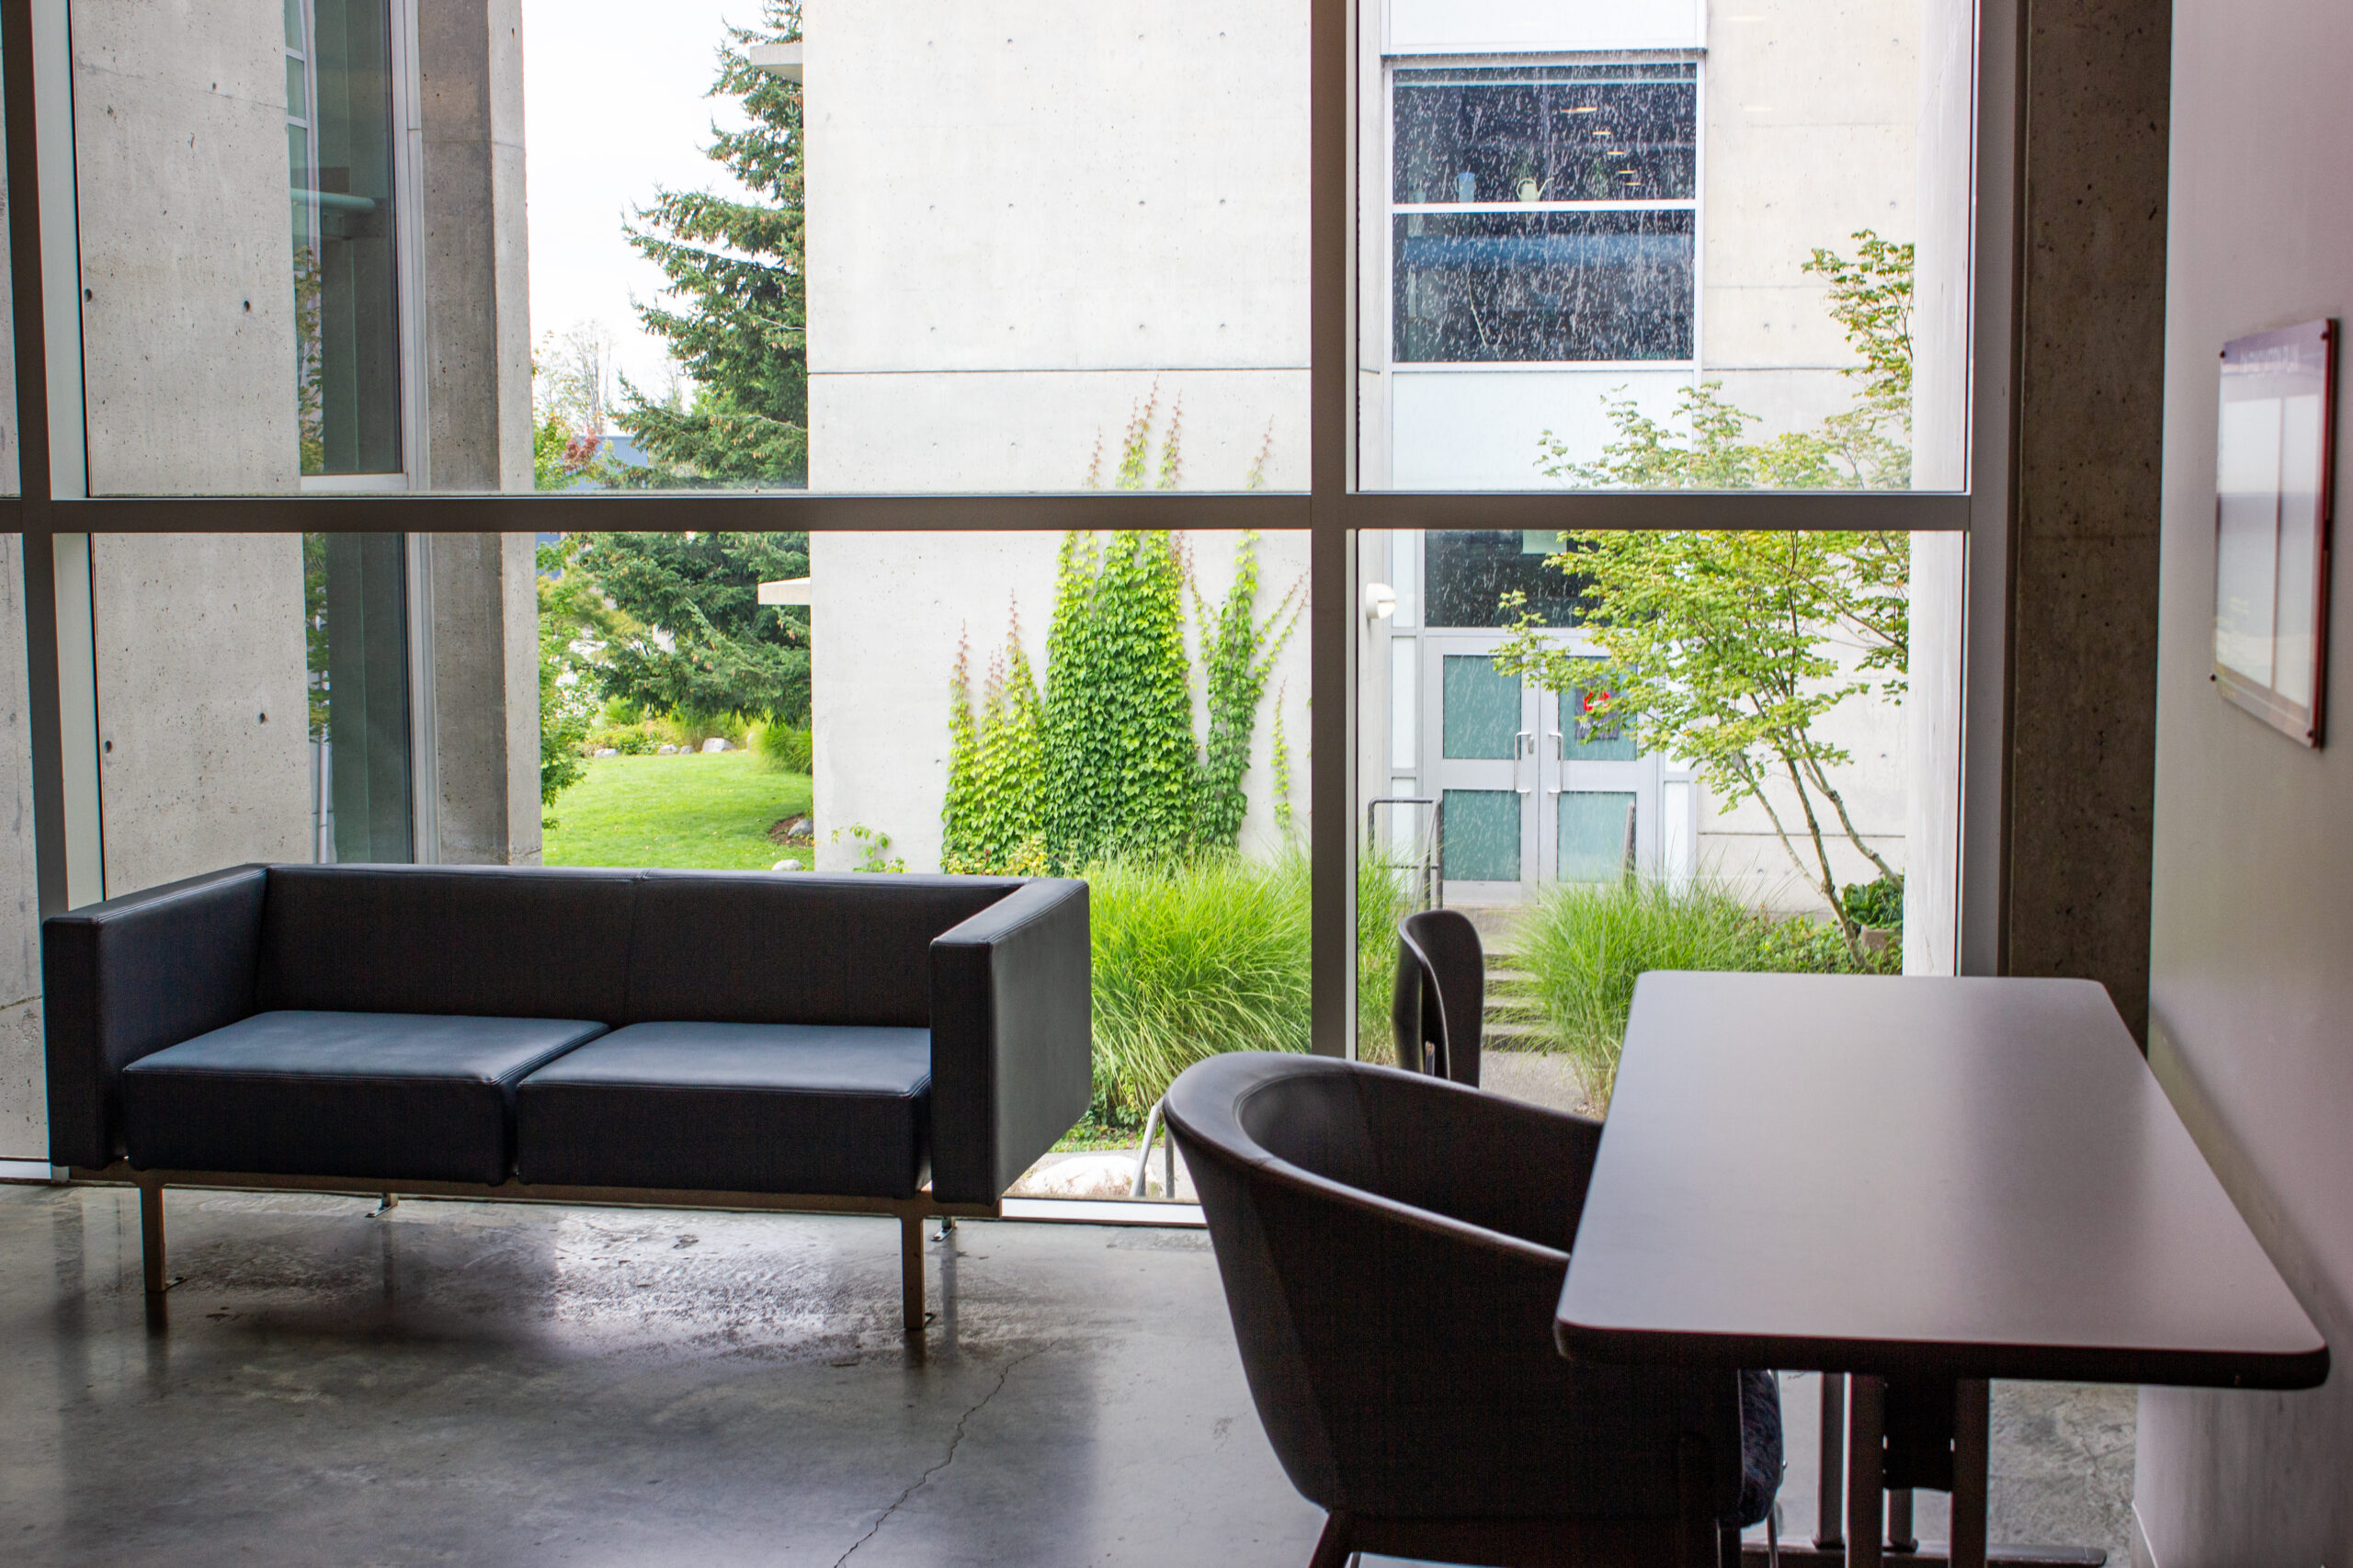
column 394, row 1095
column 733, row 1107
column 493, row 942
column 750, row 948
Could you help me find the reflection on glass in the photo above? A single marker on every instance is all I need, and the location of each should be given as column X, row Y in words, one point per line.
column 356, row 625
column 1469, row 570
column 1596, row 835
column 1481, row 708
column 1552, row 286
column 339, row 135
column 1547, row 133
column 1587, row 736
column 1482, row 835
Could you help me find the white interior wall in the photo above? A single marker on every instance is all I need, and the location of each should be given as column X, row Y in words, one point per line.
column 2253, row 891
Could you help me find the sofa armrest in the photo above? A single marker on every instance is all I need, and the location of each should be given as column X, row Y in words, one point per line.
column 1012, row 1038
column 125, row 978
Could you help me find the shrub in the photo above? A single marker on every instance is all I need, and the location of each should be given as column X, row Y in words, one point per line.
column 1879, row 902
column 686, row 729
column 1585, row 945
column 632, row 740
column 787, row 748
column 1192, row 959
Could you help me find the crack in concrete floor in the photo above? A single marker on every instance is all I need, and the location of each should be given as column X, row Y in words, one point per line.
column 954, row 1441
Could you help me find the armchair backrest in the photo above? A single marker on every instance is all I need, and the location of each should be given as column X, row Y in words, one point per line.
column 1438, row 1013
column 1401, row 1357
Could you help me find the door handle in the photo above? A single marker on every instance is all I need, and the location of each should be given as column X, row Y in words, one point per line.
column 1523, row 744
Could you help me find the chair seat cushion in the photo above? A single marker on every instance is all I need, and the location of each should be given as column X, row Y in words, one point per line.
column 397, row 1095
column 833, row 1108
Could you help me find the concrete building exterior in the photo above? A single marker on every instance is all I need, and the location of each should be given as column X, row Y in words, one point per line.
column 191, row 348
column 1028, row 222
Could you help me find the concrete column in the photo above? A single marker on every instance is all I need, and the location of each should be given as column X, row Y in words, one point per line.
column 24, row 1115
column 2090, row 400
column 477, row 289
column 483, row 614
column 485, row 697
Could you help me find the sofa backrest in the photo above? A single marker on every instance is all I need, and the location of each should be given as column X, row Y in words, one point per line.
column 494, row 941
column 729, row 946
column 618, row 947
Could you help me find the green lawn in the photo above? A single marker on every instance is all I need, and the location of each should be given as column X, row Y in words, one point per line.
column 695, row 810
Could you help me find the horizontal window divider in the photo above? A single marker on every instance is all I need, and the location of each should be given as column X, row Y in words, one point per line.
column 1726, row 511
column 659, row 512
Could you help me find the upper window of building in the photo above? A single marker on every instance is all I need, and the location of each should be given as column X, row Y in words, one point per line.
column 339, row 143
column 1545, row 212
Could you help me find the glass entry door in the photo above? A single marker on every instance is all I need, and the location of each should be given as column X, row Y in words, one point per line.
column 1535, row 788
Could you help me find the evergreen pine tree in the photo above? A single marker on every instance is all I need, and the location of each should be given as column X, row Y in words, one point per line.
column 735, row 308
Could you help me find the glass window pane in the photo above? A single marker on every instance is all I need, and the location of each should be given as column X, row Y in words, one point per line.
column 1482, row 835
column 1597, row 835
column 1482, row 710
column 1665, row 247
column 982, row 253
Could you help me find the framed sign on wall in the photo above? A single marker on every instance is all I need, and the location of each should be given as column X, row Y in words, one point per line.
column 2274, row 474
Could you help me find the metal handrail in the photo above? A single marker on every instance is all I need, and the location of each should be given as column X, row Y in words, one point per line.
column 1434, row 851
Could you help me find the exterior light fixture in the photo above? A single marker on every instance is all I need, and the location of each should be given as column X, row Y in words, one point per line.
column 1380, row 601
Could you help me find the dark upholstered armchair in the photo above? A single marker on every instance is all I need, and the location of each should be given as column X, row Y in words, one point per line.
column 1393, row 1248
column 1439, row 1011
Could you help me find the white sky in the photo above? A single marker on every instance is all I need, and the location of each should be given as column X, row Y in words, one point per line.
column 614, row 105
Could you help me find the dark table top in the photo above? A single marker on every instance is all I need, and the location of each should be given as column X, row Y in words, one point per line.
column 1973, row 1178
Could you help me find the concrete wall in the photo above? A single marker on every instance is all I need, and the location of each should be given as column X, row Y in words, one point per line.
column 186, row 246
column 889, row 612
column 204, row 750
column 24, row 1109
column 1062, row 188
column 2250, row 991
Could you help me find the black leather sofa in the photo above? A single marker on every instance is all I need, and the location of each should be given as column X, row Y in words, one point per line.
column 891, row 1044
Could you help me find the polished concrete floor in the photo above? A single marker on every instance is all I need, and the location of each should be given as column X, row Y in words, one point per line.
column 478, row 1384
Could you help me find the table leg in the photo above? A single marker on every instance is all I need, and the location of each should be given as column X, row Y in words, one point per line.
column 1865, row 1461
column 1972, row 1450
column 1830, row 1514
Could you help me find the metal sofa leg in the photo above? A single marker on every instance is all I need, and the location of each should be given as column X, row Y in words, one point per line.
column 151, row 1235
column 911, row 1270
column 1332, row 1546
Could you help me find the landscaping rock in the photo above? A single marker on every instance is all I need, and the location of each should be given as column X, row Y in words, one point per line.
column 716, row 743
column 798, row 831
column 667, row 750
column 787, row 864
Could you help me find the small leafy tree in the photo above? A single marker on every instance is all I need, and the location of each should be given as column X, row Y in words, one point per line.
column 737, row 318
column 1720, row 646
column 576, row 626
column 1716, row 650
